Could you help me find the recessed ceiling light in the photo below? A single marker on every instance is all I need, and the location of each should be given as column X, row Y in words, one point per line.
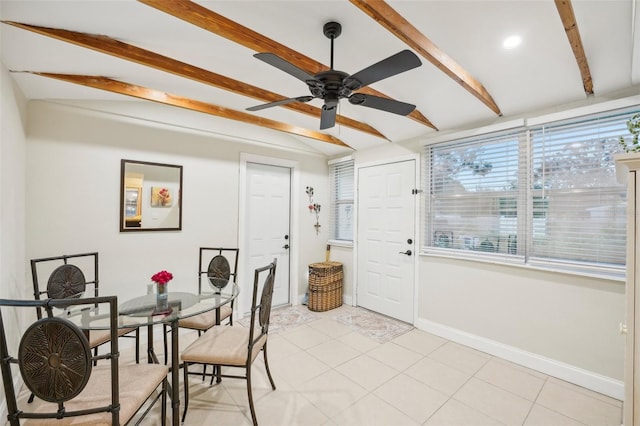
column 511, row 42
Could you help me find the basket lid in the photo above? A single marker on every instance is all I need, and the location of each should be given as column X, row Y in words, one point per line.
column 329, row 264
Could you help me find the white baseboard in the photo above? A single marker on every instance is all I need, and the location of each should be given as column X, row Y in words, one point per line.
column 581, row 377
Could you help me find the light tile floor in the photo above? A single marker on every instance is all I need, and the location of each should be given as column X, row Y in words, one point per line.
column 327, row 374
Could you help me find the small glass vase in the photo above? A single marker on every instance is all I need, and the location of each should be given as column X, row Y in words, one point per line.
column 162, row 298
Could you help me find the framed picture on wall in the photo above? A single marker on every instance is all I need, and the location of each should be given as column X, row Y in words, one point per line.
column 160, row 197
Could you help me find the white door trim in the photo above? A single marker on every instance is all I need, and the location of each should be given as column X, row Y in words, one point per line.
column 416, row 239
column 242, row 211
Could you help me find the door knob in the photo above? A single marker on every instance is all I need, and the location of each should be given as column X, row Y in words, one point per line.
column 408, row 252
column 286, row 246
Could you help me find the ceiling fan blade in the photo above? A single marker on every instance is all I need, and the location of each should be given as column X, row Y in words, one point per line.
column 280, row 102
column 384, row 104
column 394, row 64
column 285, row 66
column 328, row 117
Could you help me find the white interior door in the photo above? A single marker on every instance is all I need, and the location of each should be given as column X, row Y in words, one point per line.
column 267, row 228
column 386, row 239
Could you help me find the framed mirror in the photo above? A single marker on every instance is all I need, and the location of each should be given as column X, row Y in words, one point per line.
column 150, row 196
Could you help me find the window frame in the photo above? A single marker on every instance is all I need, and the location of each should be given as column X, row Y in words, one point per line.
column 338, row 170
column 531, row 203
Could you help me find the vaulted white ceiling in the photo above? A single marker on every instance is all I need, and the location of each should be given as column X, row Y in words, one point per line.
column 541, row 73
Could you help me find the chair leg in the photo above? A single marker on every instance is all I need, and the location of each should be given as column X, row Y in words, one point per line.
column 216, row 373
column 186, row 390
column 138, row 345
column 266, row 365
column 164, row 401
column 250, row 396
column 204, row 366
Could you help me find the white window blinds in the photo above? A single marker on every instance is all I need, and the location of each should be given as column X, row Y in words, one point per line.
column 581, row 213
column 341, row 181
column 475, row 186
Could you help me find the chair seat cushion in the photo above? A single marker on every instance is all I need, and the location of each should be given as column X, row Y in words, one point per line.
column 98, row 337
column 137, row 382
column 205, row 320
column 223, row 346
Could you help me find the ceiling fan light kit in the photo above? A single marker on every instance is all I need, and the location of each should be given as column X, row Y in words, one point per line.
column 333, row 85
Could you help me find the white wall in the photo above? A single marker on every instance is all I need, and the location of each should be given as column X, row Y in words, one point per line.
column 12, row 204
column 73, row 179
column 12, row 188
column 564, row 325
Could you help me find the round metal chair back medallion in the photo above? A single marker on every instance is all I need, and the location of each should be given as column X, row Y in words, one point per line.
column 66, row 281
column 54, row 359
column 219, row 271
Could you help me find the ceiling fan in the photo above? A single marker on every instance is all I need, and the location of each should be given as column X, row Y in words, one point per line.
column 333, row 85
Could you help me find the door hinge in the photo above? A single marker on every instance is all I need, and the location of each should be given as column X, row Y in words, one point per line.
column 623, row 329
column 416, row 191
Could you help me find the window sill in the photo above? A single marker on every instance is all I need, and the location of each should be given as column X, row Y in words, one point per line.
column 340, row 243
column 516, row 262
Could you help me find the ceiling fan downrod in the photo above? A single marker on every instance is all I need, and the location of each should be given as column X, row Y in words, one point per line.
column 332, row 30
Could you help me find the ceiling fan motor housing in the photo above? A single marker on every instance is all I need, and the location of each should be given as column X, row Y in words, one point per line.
column 328, row 85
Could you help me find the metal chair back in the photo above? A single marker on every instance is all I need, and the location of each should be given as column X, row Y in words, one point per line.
column 54, row 358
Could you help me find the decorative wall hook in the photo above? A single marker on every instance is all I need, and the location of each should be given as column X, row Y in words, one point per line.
column 314, row 208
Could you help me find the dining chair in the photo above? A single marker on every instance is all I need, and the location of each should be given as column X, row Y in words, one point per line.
column 216, row 266
column 54, row 361
column 67, row 279
column 236, row 346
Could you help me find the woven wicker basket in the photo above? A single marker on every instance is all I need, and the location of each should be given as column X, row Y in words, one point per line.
column 325, row 286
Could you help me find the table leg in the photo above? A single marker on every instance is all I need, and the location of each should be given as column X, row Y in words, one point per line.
column 217, row 369
column 175, row 374
column 150, row 351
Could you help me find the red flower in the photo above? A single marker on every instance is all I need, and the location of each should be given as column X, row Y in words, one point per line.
column 162, row 277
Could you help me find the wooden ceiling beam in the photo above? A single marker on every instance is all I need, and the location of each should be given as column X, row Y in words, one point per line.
column 565, row 9
column 386, row 16
column 140, row 92
column 207, row 19
column 113, row 47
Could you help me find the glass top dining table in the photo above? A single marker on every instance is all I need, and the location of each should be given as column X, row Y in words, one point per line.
column 142, row 311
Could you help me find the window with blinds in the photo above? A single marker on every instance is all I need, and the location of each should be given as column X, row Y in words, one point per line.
column 544, row 195
column 583, row 217
column 341, row 182
column 475, row 188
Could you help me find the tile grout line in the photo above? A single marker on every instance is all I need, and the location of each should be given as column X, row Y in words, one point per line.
column 535, row 400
